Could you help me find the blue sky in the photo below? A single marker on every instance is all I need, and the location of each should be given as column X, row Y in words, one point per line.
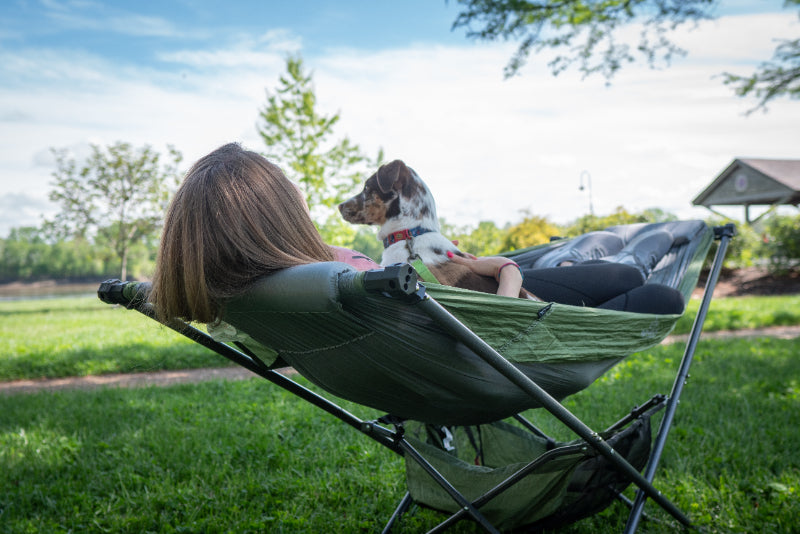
column 139, row 32
column 194, row 74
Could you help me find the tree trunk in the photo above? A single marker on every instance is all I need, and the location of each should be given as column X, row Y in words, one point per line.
column 123, row 275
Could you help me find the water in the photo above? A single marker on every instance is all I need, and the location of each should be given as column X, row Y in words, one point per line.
column 46, row 290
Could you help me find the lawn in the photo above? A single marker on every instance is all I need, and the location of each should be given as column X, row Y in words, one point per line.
column 56, row 338
column 246, row 457
column 734, row 313
column 53, row 338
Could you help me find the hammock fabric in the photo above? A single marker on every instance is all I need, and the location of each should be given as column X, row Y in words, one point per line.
column 385, row 354
column 446, row 365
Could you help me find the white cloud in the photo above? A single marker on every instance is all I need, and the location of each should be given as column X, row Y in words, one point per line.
column 653, row 138
column 19, row 209
column 487, row 147
column 264, row 51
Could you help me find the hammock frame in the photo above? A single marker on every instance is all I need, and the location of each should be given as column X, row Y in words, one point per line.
column 399, row 283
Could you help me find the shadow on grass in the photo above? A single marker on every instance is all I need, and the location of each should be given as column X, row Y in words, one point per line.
column 209, row 457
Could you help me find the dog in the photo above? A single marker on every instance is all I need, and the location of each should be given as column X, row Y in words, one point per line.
column 397, row 200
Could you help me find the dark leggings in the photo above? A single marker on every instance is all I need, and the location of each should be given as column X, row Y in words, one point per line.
column 610, row 286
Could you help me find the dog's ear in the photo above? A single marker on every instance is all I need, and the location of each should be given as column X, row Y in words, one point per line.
column 389, row 174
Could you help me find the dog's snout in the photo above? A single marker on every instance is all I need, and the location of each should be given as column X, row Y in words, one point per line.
column 350, row 209
column 348, row 206
column 364, row 208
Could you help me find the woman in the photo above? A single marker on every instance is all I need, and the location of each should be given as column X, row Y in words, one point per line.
column 235, row 218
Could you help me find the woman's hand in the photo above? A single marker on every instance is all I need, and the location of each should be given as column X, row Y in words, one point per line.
column 505, row 271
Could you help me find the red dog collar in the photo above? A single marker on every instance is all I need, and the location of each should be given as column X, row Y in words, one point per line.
column 402, row 235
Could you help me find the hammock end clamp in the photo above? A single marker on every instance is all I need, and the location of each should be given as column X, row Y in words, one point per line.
column 399, row 281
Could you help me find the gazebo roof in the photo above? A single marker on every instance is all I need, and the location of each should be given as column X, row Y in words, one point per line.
column 753, row 181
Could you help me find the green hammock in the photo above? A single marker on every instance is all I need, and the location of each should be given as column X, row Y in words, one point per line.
column 357, row 344
column 434, row 358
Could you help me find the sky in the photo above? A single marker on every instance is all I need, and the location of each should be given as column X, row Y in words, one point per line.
column 195, row 73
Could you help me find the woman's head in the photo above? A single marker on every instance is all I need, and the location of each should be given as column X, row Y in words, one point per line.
column 235, row 218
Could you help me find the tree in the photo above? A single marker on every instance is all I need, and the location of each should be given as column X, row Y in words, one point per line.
column 583, row 28
column 779, row 77
column 117, row 196
column 533, row 230
column 781, row 242
column 486, row 239
column 585, row 31
column 365, row 240
column 21, row 253
column 590, row 223
column 296, row 135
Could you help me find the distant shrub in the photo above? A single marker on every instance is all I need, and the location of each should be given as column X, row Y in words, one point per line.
column 781, row 244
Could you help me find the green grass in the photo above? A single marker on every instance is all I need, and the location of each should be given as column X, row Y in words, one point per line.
column 735, row 313
column 246, row 457
column 213, row 457
column 52, row 338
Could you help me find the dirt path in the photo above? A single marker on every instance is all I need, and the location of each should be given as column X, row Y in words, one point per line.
column 157, row 378
column 168, row 378
column 778, row 332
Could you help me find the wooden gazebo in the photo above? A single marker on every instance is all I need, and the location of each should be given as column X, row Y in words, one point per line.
column 754, row 182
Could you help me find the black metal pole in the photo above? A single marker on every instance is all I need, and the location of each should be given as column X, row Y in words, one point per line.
column 442, row 317
column 257, row 367
column 724, row 234
column 466, row 506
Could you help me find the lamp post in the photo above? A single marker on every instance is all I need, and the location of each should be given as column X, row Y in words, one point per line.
column 589, row 186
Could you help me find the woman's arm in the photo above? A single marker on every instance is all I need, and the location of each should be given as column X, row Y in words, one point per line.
column 506, row 272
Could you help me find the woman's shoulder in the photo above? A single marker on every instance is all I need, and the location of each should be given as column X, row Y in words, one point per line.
column 354, row 258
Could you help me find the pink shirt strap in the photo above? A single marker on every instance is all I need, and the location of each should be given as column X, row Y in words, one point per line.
column 354, row 259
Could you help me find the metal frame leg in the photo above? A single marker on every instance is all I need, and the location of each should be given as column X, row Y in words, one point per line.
column 442, row 317
column 391, row 439
column 724, row 234
column 402, row 508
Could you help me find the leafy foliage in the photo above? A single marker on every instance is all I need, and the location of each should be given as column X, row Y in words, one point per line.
column 582, row 32
column 25, row 254
column 779, row 77
column 486, row 239
column 590, row 33
column 28, row 254
column 590, row 223
column 117, row 197
column 365, row 240
column 297, row 138
column 533, row 230
column 782, row 242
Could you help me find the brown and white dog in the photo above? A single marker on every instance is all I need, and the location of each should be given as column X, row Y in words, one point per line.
column 396, row 199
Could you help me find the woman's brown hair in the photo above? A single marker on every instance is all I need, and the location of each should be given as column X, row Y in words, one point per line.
column 234, row 219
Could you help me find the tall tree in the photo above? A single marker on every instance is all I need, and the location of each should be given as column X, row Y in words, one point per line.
column 297, row 137
column 116, row 197
column 584, row 32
